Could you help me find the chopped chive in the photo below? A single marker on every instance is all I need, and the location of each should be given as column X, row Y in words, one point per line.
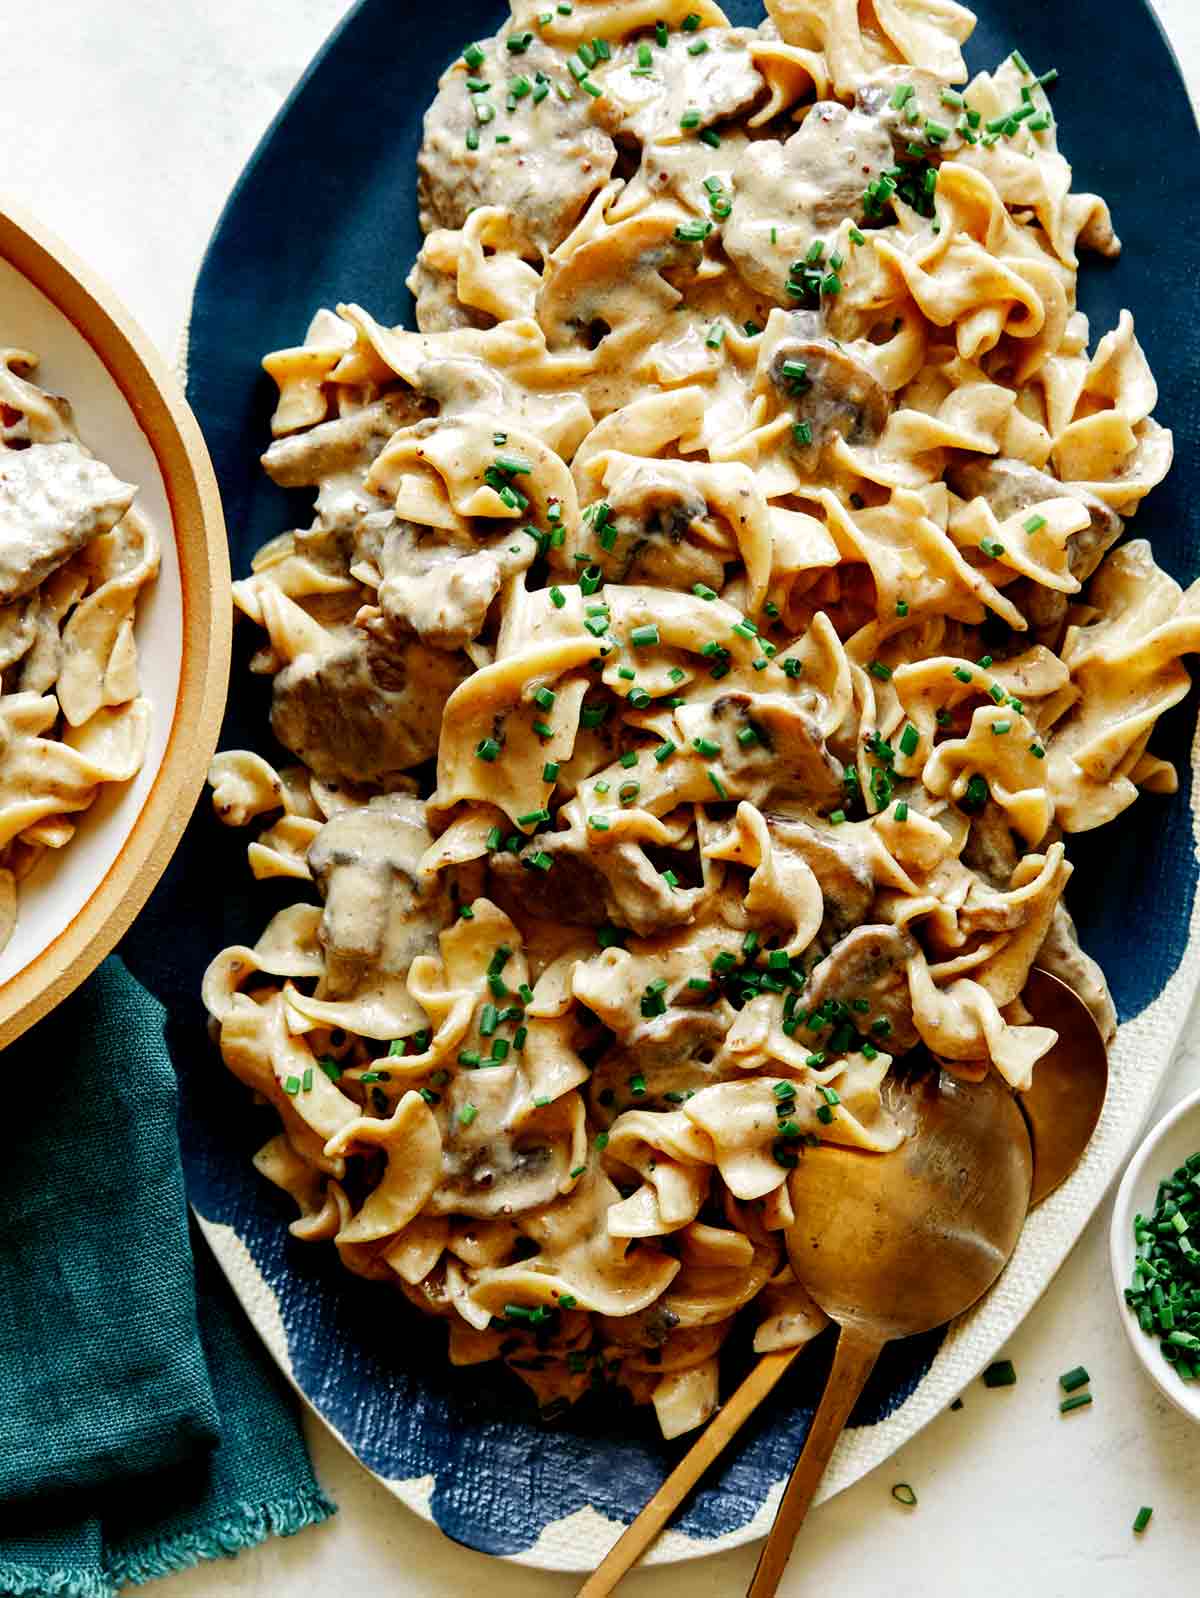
column 1142, row 1519
column 1070, row 1380
column 910, row 739
column 903, row 1494
column 718, row 787
column 901, row 810
column 879, row 669
column 487, row 749
column 1078, row 1401
column 1000, row 1374
column 642, row 637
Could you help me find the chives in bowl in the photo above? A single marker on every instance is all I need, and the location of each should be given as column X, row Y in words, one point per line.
column 1165, row 1291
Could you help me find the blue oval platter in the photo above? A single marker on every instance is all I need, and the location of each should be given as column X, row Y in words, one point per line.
column 326, row 211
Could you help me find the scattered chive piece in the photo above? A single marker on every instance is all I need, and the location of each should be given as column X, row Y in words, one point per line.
column 693, row 232
column 802, row 433
column 909, row 739
column 903, row 1494
column 660, row 34
column 1022, row 66
column 467, row 1114
column 1142, row 1519
column 1070, row 1380
column 963, row 674
column 1079, row 1401
column 1035, row 524
column 877, row 668
column 642, row 637
column 487, row 749
column 901, row 811
column 712, row 138
column 472, row 138
column 664, row 751
column 718, row 787
column 690, row 118
column 292, row 1086
column 474, row 57
column 1000, row 1374
column 550, row 771
column 837, row 817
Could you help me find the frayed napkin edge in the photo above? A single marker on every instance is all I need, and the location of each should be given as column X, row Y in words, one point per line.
column 244, row 1527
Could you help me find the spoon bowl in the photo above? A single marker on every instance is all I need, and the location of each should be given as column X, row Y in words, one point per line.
column 1070, row 1084
column 898, row 1243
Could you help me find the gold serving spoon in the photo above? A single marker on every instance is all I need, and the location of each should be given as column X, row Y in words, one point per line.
column 1069, row 1084
column 886, row 1206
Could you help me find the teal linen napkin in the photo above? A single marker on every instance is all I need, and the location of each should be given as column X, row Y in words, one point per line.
column 142, row 1425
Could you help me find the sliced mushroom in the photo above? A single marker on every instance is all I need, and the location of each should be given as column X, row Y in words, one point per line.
column 554, row 162
column 381, row 910
column 787, row 195
column 654, row 507
column 870, row 964
column 836, row 395
column 366, row 711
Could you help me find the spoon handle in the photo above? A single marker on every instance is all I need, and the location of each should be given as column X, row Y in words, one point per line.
column 732, row 1415
column 852, row 1364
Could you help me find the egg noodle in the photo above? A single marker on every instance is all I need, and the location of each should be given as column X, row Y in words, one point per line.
column 707, row 634
column 74, row 557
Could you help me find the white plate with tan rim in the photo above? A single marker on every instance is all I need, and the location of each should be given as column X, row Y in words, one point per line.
column 128, row 409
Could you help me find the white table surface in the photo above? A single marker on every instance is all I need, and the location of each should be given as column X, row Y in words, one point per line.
column 124, row 124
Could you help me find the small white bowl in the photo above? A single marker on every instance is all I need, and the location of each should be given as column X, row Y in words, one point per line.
column 1161, row 1153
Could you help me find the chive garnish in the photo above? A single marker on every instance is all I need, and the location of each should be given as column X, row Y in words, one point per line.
column 1000, row 1374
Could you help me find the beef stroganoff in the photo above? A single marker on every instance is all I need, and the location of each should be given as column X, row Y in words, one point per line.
column 709, row 629
column 74, row 557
